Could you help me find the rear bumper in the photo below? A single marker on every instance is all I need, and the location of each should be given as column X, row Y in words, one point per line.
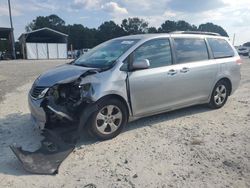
column 38, row 115
column 235, row 79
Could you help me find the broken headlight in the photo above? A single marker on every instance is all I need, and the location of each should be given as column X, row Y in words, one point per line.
column 43, row 93
column 85, row 89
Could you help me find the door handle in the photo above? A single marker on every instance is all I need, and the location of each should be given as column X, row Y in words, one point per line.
column 184, row 70
column 172, row 72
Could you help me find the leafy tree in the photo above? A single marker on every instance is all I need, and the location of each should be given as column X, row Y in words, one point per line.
column 56, row 20
column 167, row 27
column 109, row 30
column 76, row 36
column 84, row 37
column 185, row 26
column 170, row 26
column 90, row 37
column 52, row 21
column 152, row 30
column 81, row 37
column 210, row 27
column 134, row 26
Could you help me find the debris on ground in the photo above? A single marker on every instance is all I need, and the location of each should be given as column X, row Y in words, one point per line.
column 47, row 159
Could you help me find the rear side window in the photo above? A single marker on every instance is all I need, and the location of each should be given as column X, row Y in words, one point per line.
column 220, row 48
column 157, row 51
column 190, row 49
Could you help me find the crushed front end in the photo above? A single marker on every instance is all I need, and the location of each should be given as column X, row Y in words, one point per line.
column 59, row 104
column 56, row 110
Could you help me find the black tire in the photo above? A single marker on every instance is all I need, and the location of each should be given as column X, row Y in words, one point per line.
column 214, row 101
column 101, row 105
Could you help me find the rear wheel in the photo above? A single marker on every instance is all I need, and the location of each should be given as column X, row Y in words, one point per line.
column 219, row 95
column 108, row 121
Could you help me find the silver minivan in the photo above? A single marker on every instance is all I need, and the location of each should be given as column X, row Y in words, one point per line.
column 135, row 76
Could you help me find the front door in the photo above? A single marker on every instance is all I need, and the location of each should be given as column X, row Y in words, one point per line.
column 150, row 89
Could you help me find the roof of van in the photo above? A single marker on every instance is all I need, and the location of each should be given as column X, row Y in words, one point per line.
column 147, row 36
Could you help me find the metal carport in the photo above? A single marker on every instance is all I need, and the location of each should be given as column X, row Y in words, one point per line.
column 44, row 43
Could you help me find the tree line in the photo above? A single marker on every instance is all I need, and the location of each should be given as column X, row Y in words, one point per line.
column 84, row 37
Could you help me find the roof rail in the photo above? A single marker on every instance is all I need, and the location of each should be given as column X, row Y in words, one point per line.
column 196, row 32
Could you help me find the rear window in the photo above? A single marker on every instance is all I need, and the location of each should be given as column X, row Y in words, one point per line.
column 220, row 48
column 190, row 50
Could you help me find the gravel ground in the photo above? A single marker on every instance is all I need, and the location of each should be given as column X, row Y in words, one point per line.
column 192, row 147
column 16, row 73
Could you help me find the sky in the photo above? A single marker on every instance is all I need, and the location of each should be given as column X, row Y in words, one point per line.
column 232, row 15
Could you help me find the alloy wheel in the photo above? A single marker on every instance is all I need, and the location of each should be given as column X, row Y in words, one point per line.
column 108, row 119
column 220, row 94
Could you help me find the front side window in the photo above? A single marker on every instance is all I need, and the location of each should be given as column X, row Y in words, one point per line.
column 220, row 48
column 190, row 50
column 157, row 51
column 105, row 54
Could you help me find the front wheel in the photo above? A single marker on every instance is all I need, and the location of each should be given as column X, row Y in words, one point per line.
column 108, row 121
column 219, row 95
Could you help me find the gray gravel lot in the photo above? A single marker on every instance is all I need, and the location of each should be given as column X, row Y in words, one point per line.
column 191, row 147
column 16, row 73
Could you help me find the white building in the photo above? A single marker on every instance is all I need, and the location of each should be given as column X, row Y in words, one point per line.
column 44, row 43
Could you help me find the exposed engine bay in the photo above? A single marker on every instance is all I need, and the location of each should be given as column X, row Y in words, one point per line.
column 63, row 104
column 64, row 101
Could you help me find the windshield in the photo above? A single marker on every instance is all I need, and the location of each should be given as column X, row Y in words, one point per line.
column 105, row 54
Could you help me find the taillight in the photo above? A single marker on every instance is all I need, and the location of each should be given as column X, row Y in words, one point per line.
column 239, row 61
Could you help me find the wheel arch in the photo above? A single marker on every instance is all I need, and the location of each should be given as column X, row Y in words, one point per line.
column 91, row 107
column 226, row 79
column 118, row 97
column 221, row 78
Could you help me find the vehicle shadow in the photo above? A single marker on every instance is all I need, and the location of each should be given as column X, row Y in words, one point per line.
column 166, row 116
column 18, row 128
column 86, row 139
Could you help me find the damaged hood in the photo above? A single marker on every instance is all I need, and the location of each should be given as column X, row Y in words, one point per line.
column 61, row 74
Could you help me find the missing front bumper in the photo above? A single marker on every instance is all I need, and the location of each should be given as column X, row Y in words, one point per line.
column 55, row 147
column 47, row 159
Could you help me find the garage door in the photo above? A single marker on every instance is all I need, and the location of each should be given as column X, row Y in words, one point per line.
column 42, row 51
column 46, row 51
column 52, row 49
column 62, row 51
column 31, row 50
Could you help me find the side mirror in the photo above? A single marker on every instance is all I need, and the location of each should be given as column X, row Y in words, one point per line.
column 140, row 64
